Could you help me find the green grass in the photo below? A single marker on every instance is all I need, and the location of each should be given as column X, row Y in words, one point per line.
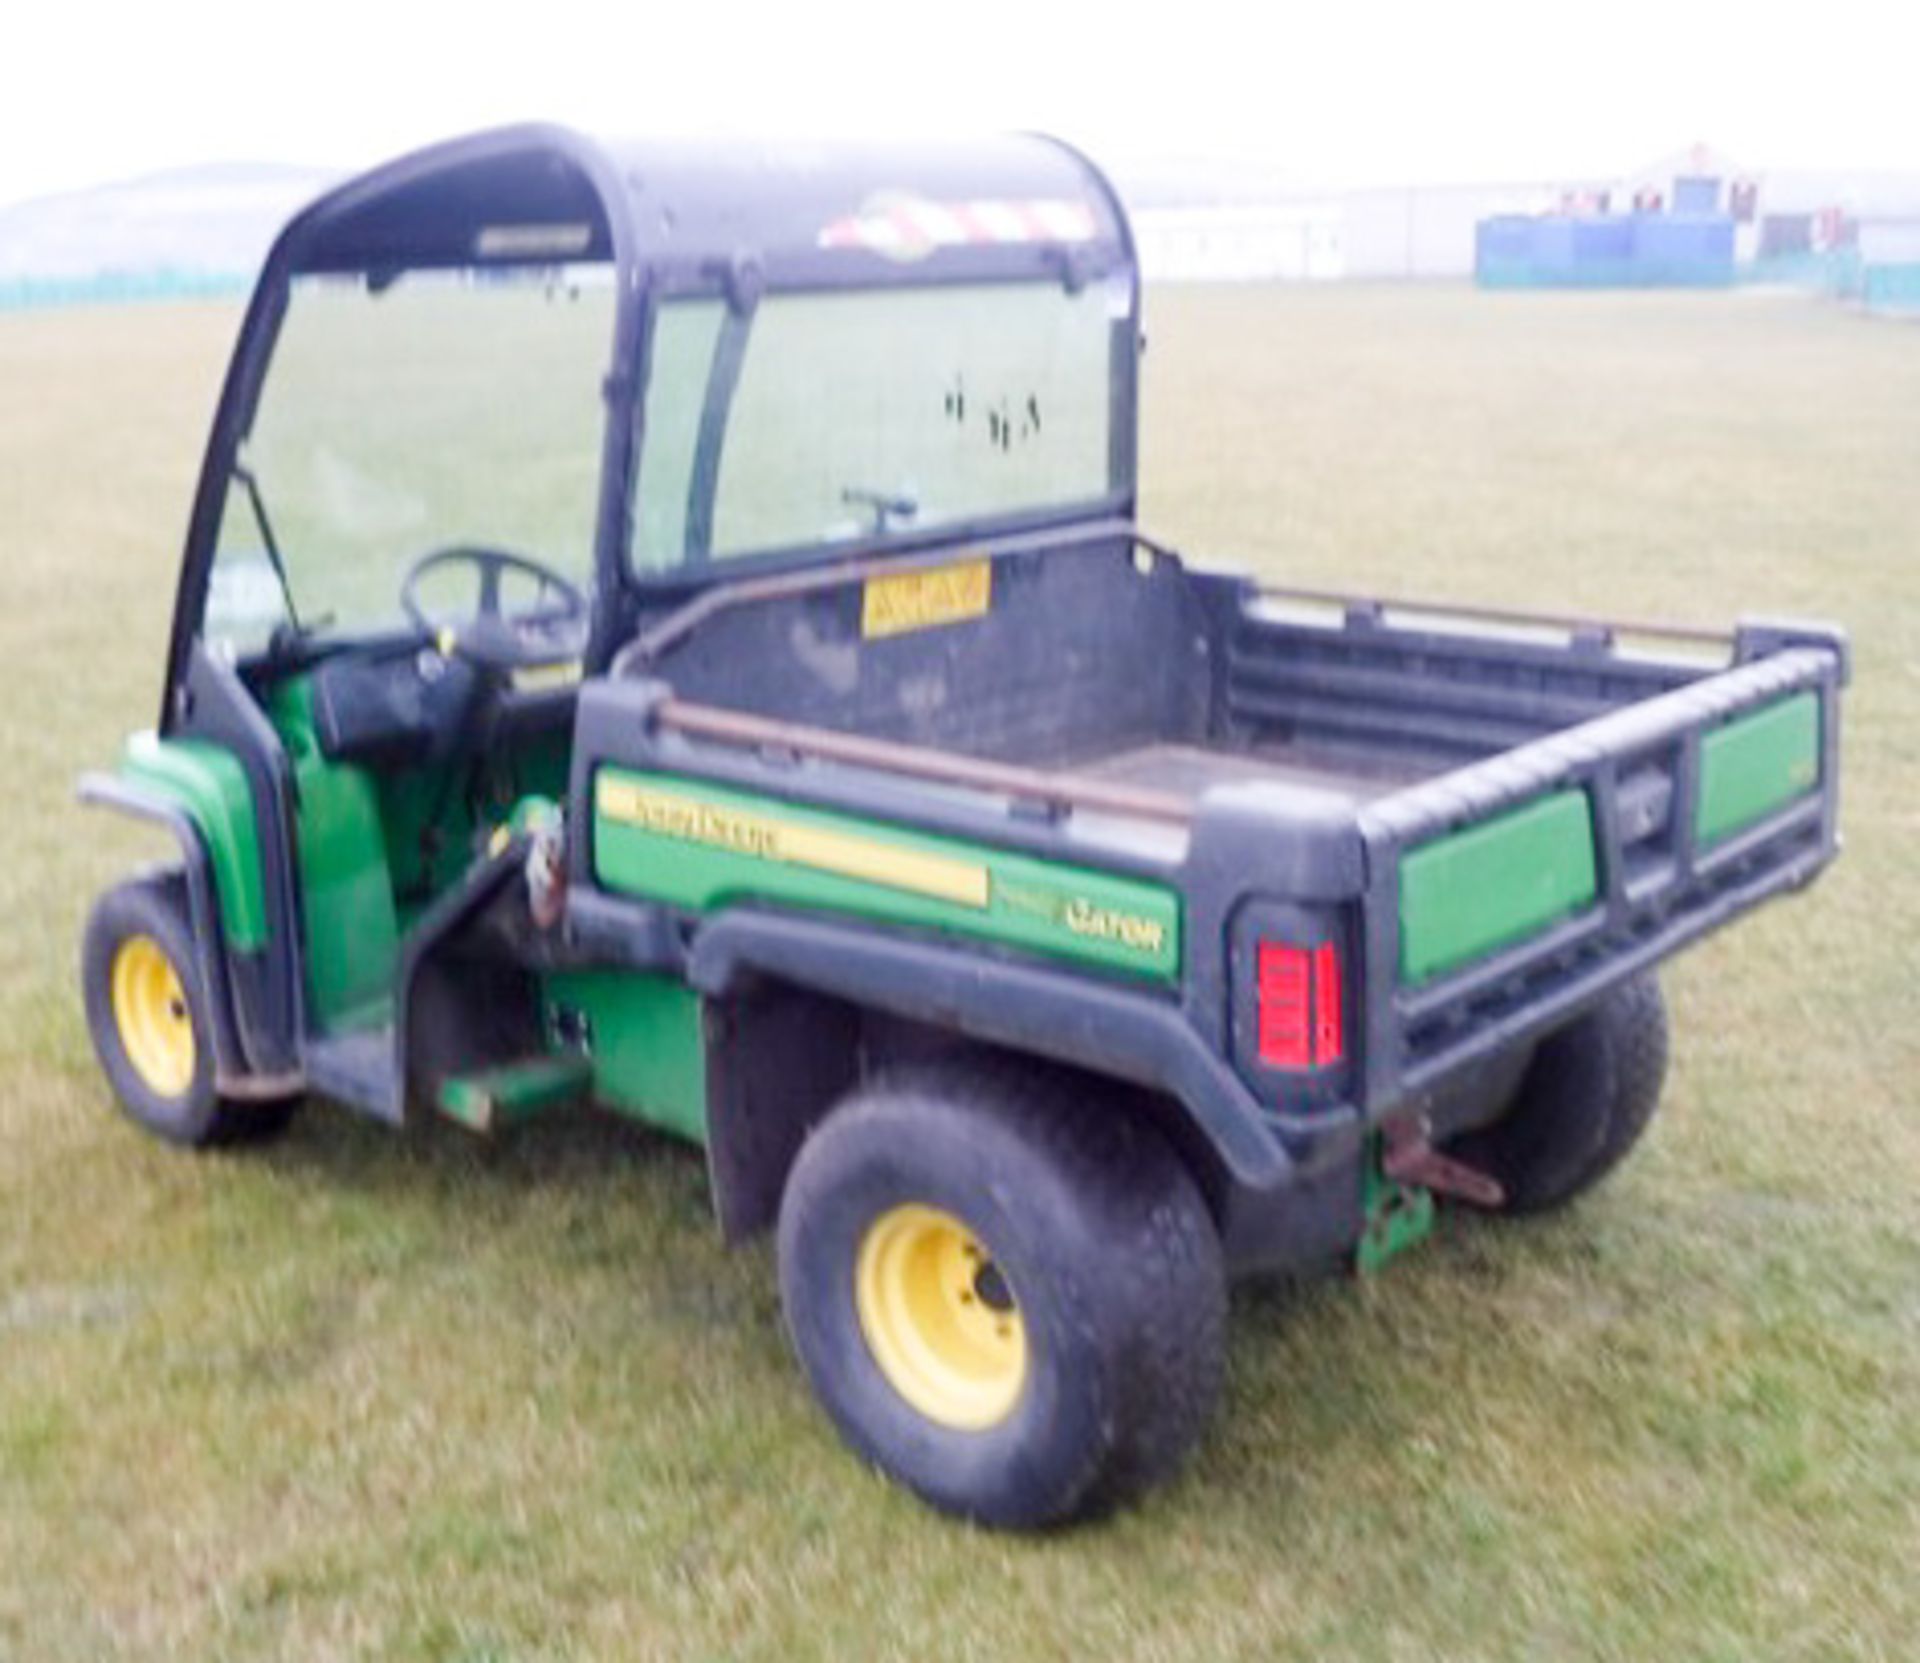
column 360, row 1397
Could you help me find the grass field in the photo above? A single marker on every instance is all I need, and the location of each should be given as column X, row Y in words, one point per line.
column 359, row 1397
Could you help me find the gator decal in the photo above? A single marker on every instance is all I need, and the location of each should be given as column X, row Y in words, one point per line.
column 1083, row 917
column 905, row 601
column 701, row 846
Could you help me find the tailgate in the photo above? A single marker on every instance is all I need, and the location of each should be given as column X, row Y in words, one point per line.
column 1504, row 896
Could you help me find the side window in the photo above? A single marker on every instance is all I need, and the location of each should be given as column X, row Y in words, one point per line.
column 684, row 336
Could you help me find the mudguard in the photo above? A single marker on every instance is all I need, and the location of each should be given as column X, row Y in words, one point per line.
column 199, row 793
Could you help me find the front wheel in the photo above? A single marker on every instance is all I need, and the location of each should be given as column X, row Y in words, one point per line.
column 146, row 1015
column 1008, row 1295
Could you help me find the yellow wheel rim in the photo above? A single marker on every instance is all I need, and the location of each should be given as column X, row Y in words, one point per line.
column 150, row 1011
column 940, row 1318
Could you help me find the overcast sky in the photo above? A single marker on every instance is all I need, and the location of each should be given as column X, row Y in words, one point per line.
column 1381, row 94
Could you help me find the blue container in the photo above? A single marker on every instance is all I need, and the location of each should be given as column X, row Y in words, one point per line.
column 1603, row 253
column 1683, row 250
column 1602, row 241
column 1557, row 251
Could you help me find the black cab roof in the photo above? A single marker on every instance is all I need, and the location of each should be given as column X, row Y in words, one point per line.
column 800, row 211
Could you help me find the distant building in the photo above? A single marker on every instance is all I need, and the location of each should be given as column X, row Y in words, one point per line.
column 1789, row 225
column 1299, row 241
column 1321, row 236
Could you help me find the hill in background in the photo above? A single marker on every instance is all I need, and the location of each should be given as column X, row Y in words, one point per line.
column 189, row 227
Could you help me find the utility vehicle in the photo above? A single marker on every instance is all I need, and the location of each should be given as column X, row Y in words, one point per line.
column 665, row 626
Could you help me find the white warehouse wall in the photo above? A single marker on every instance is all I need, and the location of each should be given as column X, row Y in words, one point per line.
column 1365, row 234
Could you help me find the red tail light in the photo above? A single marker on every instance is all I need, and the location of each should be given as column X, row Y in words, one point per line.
column 1302, row 1023
column 1329, row 1025
column 1285, row 1025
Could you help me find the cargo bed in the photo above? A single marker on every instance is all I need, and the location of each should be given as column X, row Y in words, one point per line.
column 1511, row 813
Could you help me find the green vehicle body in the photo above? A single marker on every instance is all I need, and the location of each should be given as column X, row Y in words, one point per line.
column 702, row 848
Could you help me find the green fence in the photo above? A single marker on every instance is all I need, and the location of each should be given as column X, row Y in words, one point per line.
column 18, row 293
column 1894, row 287
column 1832, row 272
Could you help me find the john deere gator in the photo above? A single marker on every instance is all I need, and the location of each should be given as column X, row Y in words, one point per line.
column 665, row 626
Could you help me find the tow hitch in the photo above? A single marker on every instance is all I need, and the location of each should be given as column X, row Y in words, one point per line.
column 1407, row 1156
column 1403, row 1175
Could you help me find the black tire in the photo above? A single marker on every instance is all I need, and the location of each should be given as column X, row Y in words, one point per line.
column 184, row 1110
column 1584, row 1101
column 1109, row 1258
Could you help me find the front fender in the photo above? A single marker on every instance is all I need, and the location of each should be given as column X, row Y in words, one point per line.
column 145, row 800
column 207, row 784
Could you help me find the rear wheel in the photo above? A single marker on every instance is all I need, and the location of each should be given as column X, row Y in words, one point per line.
column 1009, row 1297
column 1583, row 1103
column 147, row 1018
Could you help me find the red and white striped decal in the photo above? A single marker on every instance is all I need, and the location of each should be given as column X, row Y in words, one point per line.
column 912, row 227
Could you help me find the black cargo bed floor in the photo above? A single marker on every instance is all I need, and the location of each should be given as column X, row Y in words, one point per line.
column 1190, row 770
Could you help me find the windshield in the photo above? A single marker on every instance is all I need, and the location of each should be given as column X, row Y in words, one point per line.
column 820, row 418
column 441, row 409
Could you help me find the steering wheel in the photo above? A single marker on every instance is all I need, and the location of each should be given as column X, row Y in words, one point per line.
column 551, row 633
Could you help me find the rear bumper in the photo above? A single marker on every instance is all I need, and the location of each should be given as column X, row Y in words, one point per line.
column 1655, row 892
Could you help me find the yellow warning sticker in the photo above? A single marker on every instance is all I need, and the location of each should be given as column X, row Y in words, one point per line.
column 906, row 601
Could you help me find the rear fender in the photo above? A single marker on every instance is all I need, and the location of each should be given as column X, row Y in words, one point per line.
column 1072, row 1019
